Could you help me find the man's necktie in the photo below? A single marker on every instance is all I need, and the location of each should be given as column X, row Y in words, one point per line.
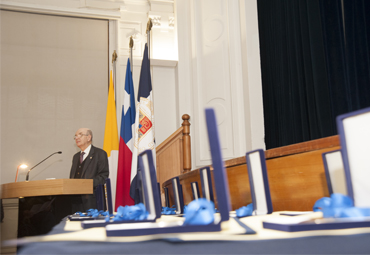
column 82, row 157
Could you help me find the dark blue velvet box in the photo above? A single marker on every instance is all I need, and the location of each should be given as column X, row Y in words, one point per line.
column 206, row 183
column 258, row 181
column 223, row 197
column 353, row 130
column 150, row 194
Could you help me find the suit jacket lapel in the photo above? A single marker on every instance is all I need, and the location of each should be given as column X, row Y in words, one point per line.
column 88, row 161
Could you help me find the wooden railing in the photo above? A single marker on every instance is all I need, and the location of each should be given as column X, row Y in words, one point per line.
column 174, row 154
column 296, row 176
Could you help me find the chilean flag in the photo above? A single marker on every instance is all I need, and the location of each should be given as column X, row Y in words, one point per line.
column 126, row 143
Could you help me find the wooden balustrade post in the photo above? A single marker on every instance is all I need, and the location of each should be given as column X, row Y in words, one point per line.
column 186, row 144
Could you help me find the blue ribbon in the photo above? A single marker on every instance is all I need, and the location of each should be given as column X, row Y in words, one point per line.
column 168, row 210
column 244, row 211
column 134, row 212
column 94, row 213
column 199, row 212
column 339, row 206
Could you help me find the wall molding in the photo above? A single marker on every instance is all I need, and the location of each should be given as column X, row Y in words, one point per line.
column 66, row 10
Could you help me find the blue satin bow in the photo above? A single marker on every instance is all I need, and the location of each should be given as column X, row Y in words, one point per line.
column 199, row 212
column 93, row 213
column 339, row 206
column 245, row 211
column 168, row 210
column 134, row 212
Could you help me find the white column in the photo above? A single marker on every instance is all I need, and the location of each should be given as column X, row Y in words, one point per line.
column 219, row 68
column 253, row 99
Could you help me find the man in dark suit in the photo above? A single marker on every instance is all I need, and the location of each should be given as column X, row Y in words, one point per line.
column 90, row 163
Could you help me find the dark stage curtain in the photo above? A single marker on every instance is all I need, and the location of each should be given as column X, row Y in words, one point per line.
column 357, row 36
column 335, row 54
column 313, row 67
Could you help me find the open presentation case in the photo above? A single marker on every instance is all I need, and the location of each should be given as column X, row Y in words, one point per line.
column 334, row 172
column 103, row 200
column 195, row 190
column 178, row 195
column 353, row 130
column 166, row 197
column 206, row 183
column 150, row 194
column 222, row 191
column 258, row 182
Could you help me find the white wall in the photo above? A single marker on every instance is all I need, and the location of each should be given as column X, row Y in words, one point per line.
column 205, row 53
column 54, row 81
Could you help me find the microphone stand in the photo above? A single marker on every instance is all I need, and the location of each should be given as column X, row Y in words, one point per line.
column 28, row 173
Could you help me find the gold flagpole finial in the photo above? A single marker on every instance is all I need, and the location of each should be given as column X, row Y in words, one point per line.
column 131, row 42
column 114, row 56
column 149, row 25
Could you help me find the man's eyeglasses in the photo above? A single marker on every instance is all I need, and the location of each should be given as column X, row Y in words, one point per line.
column 79, row 136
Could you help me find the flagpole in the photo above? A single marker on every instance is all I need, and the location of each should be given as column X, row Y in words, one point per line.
column 149, row 26
column 131, row 45
column 114, row 58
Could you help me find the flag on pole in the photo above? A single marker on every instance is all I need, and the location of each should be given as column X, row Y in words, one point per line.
column 126, row 143
column 111, row 136
column 144, row 123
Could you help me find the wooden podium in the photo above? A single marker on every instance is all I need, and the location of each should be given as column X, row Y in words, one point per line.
column 18, row 197
column 47, row 188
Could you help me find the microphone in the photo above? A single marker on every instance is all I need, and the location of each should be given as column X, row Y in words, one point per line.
column 28, row 173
